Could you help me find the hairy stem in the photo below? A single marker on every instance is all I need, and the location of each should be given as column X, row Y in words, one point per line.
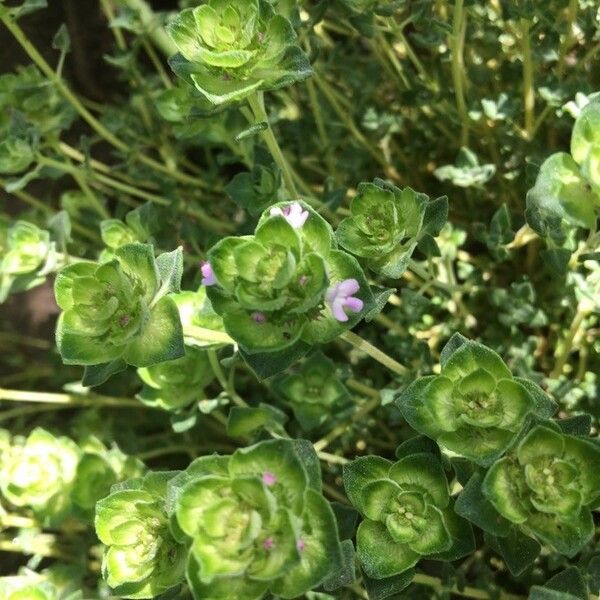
column 368, row 348
column 457, row 43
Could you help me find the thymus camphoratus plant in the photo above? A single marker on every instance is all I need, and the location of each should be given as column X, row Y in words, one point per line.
column 299, row 300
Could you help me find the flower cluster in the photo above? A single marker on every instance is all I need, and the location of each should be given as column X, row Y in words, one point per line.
column 386, row 225
column 142, row 558
column 120, row 310
column 257, row 522
column 233, row 49
column 408, row 513
column 547, row 487
column 27, row 255
column 475, row 407
column 285, row 283
column 174, row 384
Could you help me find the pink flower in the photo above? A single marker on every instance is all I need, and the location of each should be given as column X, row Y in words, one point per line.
column 208, row 275
column 269, row 478
column 340, row 299
column 301, row 545
column 269, row 543
column 258, row 317
column 293, row 213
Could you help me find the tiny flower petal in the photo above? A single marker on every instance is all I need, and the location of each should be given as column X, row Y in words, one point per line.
column 348, row 287
column 293, row 213
column 354, row 304
column 208, row 275
column 337, row 308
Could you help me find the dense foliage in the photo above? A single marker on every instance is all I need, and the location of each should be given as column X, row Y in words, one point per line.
column 325, row 297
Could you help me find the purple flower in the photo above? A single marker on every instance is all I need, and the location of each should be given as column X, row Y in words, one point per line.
column 258, row 317
column 300, row 545
column 340, row 299
column 293, row 213
column 208, row 275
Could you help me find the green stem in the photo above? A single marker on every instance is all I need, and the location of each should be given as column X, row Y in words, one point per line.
column 368, row 348
column 528, row 89
column 156, row 32
column 66, row 399
column 257, row 105
column 222, row 379
column 457, row 43
column 562, row 354
column 206, row 335
column 567, row 41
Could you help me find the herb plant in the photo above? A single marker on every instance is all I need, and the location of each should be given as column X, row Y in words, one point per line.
column 300, row 300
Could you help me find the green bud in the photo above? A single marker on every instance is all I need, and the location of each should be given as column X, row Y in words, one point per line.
column 407, row 512
column 142, row 559
column 315, row 393
column 174, row 384
column 39, row 472
column 385, row 226
column 16, row 154
column 474, row 408
column 236, row 48
column 255, row 524
column 547, row 486
column 115, row 234
column 118, row 310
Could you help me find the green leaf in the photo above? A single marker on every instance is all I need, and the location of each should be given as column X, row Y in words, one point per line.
column 379, row 589
column 267, row 364
column 361, row 472
column 474, row 506
column 161, row 338
column 279, row 458
column 245, row 421
column 137, row 261
column 94, row 375
column 321, row 555
column 379, row 555
column 170, row 270
column 376, row 498
column 452, row 345
column 424, row 473
column 503, row 485
column 472, row 356
column 566, row 585
column 461, row 537
column 518, row 551
column 345, row 574
column 578, row 425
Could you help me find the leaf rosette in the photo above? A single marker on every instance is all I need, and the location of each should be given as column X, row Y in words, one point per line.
column 475, row 408
column 314, row 392
column 142, row 558
column 174, row 384
column 257, row 523
column 39, row 472
column 281, row 285
column 119, row 310
column 233, row 48
column 547, row 486
column 407, row 513
column 385, row 226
